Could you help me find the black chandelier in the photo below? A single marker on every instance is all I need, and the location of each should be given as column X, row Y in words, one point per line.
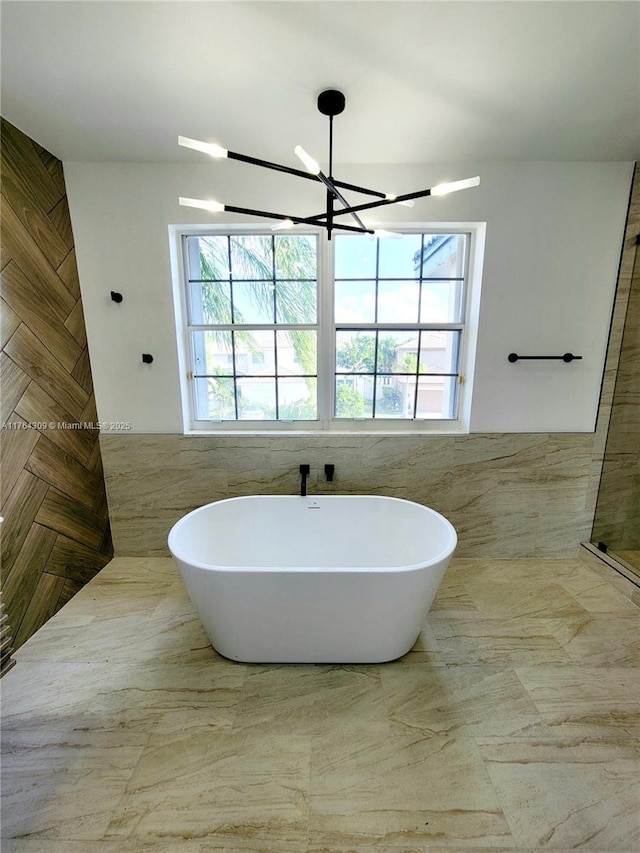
column 331, row 103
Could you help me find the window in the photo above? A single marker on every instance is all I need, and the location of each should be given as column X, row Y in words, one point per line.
column 294, row 331
column 253, row 326
column 398, row 324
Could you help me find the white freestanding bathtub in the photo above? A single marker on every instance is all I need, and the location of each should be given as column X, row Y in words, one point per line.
column 328, row 579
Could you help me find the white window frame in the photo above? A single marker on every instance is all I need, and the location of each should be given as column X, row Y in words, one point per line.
column 326, row 338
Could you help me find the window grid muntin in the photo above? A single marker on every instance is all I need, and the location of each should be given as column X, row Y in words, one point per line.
column 190, row 240
column 193, row 240
column 275, row 334
column 417, row 374
column 417, row 327
column 237, row 372
column 419, row 278
column 473, row 235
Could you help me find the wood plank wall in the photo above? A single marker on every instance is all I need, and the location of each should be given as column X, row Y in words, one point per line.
column 56, row 534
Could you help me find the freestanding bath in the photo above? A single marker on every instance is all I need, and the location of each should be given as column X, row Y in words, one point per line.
column 327, row 579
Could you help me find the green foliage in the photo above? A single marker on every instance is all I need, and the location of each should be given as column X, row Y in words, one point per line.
column 358, row 355
column 256, row 257
column 409, row 363
column 391, row 402
column 349, row 402
column 387, row 351
column 221, row 399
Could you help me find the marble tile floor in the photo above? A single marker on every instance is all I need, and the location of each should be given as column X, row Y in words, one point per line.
column 512, row 725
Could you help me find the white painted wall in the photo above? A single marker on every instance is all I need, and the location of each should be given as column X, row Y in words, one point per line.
column 554, row 234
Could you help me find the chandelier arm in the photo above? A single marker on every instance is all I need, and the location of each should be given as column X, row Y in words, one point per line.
column 396, row 200
column 266, row 164
column 354, row 188
column 363, row 230
column 298, row 220
column 317, row 219
column 331, row 184
column 299, row 173
column 321, row 219
column 266, row 213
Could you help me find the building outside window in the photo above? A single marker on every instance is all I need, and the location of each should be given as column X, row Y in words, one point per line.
column 291, row 330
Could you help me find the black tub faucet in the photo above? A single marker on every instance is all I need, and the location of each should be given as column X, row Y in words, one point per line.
column 304, row 473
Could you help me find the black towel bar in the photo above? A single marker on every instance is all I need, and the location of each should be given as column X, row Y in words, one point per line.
column 568, row 356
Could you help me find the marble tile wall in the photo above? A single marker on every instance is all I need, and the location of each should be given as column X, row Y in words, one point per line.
column 508, row 495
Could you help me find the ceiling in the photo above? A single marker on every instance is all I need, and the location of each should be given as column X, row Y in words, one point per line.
column 424, row 81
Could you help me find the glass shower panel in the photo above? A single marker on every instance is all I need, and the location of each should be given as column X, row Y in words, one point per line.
column 616, row 527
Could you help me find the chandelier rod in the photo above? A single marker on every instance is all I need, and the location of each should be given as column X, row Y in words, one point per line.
column 298, row 173
column 298, row 220
column 332, row 191
column 371, row 204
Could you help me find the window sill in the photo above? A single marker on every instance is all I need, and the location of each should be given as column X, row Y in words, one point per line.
column 355, row 429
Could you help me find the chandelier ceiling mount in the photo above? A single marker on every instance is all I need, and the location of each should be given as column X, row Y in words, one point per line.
column 331, row 102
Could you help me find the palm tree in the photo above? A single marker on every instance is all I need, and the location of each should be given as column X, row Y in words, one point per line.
column 261, row 259
column 279, row 281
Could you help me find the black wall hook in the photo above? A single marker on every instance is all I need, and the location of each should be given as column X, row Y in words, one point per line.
column 147, row 357
column 116, row 297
